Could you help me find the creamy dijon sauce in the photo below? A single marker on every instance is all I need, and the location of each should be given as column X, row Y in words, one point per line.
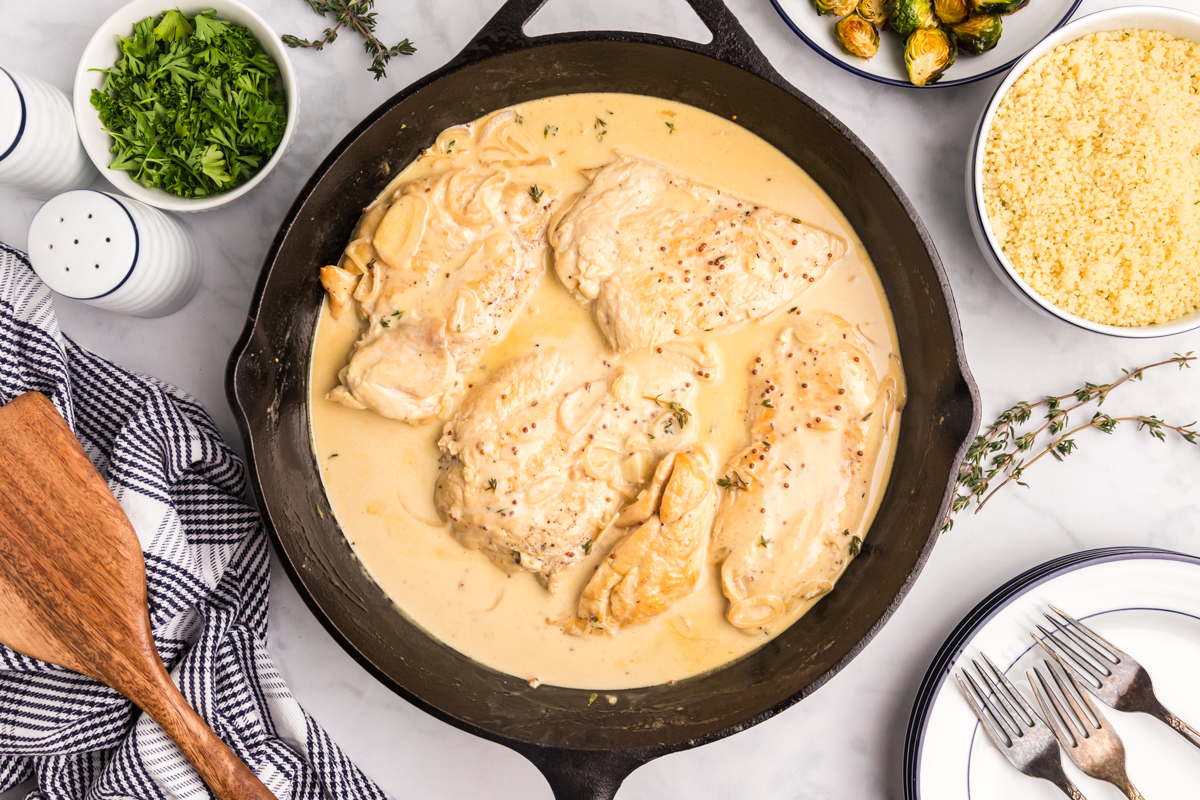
column 379, row 474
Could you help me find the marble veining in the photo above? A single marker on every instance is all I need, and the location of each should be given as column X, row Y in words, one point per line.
column 846, row 740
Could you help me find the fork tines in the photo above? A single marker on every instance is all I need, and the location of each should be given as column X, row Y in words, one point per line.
column 1008, row 716
column 1073, row 727
column 1086, row 736
column 1088, row 652
column 1015, row 728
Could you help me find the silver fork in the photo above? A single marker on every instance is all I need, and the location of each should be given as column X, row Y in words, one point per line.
column 1092, row 745
column 1115, row 678
column 1018, row 732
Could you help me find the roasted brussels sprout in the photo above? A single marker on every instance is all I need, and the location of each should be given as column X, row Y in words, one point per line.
column 927, row 54
column 857, row 36
column 977, row 34
column 837, row 8
column 997, row 6
column 906, row 16
column 874, row 11
column 951, row 11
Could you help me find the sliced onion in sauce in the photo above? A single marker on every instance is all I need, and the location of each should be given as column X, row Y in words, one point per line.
column 545, row 488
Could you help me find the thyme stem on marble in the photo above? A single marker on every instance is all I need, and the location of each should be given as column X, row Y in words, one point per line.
column 996, row 454
column 357, row 15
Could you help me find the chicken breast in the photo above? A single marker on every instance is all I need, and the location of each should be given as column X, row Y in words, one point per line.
column 539, row 460
column 443, row 274
column 660, row 256
column 795, row 500
column 658, row 563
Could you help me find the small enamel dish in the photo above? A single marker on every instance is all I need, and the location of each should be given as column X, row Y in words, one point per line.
column 1144, row 601
column 101, row 53
column 1178, row 23
column 1022, row 30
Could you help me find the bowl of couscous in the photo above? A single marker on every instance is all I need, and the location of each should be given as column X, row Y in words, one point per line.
column 1084, row 175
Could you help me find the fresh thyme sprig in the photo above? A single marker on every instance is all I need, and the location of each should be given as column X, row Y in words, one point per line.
column 733, row 481
column 355, row 14
column 1001, row 438
column 681, row 414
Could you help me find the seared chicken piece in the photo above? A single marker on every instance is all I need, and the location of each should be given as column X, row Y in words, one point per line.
column 538, row 461
column 443, row 275
column 657, row 564
column 661, row 256
column 795, row 499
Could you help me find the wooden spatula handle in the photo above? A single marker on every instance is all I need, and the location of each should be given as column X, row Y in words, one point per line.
column 225, row 773
column 73, row 584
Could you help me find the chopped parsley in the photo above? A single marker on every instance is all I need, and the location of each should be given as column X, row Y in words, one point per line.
column 536, row 193
column 548, row 131
column 194, row 104
column 670, row 128
column 855, row 547
column 587, row 547
column 766, row 403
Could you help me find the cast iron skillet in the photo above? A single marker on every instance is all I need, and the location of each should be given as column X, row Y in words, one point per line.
column 584, row 748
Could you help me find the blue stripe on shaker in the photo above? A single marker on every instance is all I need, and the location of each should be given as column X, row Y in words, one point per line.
column 137, row 245
column 24, row 115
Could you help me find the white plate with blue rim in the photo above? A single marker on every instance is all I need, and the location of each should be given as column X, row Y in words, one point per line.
column 1144, row 601
column 1021, row 31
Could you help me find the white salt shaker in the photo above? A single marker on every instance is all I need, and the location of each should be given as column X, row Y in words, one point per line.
column 115, row 253
column 40, row 151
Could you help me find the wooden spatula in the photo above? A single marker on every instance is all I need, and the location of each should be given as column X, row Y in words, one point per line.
column 73, row 584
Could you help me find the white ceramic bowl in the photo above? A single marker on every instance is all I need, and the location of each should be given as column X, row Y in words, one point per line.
column 1021, row 31
column 1177, row 23
column 101, row 53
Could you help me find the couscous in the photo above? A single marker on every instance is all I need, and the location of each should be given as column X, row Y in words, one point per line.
column 1091, row 177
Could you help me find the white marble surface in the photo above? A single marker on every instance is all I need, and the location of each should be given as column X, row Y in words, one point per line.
column 846, row 740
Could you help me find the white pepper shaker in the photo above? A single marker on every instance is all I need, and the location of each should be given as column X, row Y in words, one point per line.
column 40, row 151
column 115, row 253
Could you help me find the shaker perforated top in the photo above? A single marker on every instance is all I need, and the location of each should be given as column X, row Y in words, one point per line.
column 83, row 244
column 12, row 113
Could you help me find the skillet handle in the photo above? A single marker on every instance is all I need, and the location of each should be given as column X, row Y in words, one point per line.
column 731, row 43
column 504, row 32
column 583, row 774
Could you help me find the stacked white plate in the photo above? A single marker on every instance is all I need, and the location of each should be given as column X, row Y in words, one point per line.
column 1145, row 601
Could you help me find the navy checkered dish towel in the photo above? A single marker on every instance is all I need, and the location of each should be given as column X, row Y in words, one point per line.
column 207, row 575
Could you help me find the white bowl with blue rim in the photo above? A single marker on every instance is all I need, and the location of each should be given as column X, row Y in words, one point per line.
column 1169, row 20
column 1021, row 31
